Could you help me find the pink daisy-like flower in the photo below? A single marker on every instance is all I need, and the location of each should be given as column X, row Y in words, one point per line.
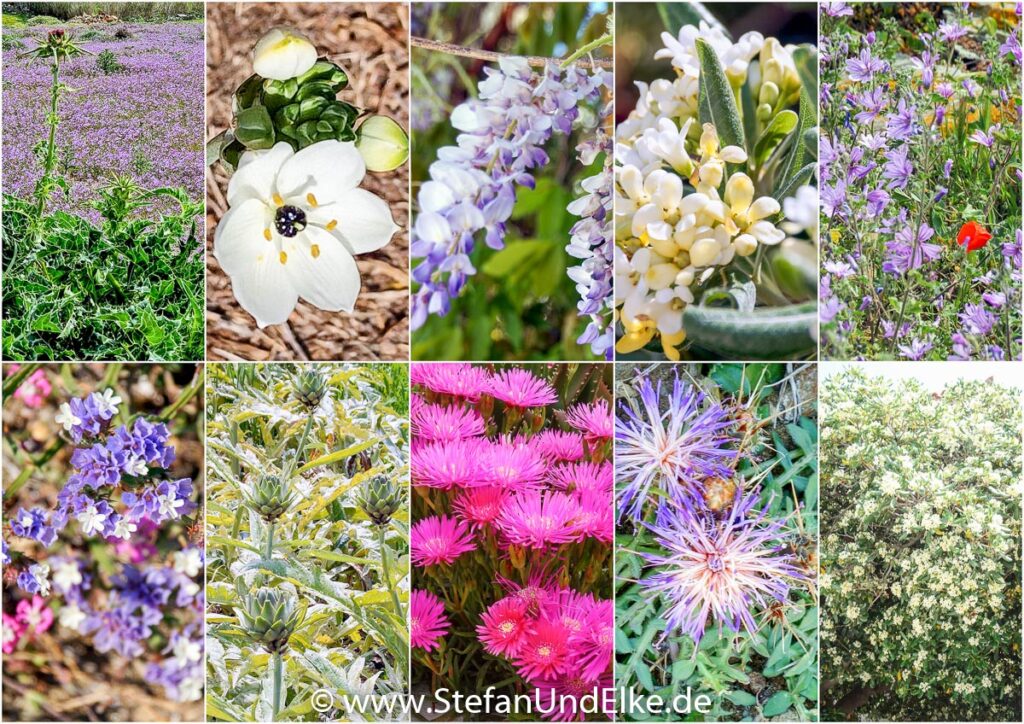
column 439, row 539
column 455, row 379
column 593, row 477
column 596, row 518
column 12, row 633
column 514, row 465
column 504, row 627
column 595, row 421
column 521, row 388
column 36, row 616
column 428, row 622
column 34, row 390
column 446, row 422
column 595, row 641
column 545, row 651
column 480, row 506
column 559, row 446
column 447, row 465
column 536, row 519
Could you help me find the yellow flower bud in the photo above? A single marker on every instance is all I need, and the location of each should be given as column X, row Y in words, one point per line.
column 283, row 53
column 382, row 143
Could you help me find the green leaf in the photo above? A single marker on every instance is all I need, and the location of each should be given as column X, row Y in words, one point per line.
column 721, row 101
column 799, row 179
column 808, row 120
column 778, row 703
column 675, row 15
column 515, row 257
column 781, row 126
column 739, row 697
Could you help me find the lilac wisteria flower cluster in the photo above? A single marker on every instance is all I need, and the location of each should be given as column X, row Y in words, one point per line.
column 921, row 183
column 109, row 560
column 471, row 193
column 512, row 532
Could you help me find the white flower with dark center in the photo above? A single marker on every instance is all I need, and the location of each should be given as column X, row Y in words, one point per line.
column 295, row 222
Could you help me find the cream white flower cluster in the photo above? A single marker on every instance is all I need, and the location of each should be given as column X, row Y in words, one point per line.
column 921, row 560
column 683, row 207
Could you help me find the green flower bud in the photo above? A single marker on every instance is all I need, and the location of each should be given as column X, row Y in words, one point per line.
column 270, row 497
column 769, row 94
column 270, row 617
column 380, row 499
column 56, row 45
column 309, row 388
column 382, row 143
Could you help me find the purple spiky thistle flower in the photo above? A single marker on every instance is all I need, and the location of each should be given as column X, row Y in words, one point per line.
column 672, row 450
column 718, row 567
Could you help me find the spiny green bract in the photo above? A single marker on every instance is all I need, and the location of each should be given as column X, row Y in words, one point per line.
column 307, row 543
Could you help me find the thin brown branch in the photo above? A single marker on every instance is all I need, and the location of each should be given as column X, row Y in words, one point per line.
column 490, row 55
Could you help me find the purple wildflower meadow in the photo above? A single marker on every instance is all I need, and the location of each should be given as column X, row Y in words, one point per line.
column 919, row 186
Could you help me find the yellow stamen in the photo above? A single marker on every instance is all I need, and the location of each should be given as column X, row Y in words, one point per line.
column 284, row 257
column 278, row 200
column 331, row 224
column 266, row 234
column 315, row 251
column 312, row 200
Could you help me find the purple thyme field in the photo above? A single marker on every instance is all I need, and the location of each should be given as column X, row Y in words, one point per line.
column 145, row 121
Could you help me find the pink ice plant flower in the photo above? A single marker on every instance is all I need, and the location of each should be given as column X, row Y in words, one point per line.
column 427, row 619
column 513, row 465
column 559, row 445
column 35, row 616
column 577, row 477
column 439, row 539
column 454, row 379
column 34, row 390
column 538, row 519
column 504, row 626
column 446, row 422
column 521, row 388
column 595, row 421
column 480, row 506
column 447, row 465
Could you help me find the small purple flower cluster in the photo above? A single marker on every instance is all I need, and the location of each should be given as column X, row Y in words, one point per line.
column 127, row 460
column 118, row 492
column 472, row 186
column 591, row 243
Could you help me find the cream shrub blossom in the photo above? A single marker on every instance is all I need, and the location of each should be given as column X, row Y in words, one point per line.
column 922, row 550
column 296, row 220
column 685, row 205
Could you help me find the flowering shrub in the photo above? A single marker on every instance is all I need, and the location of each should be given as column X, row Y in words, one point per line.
column 527, row 172
column 307, row 539
column 717, row 504
column 101, row 557
column 512, row 533
column 920, row 559
column 715, row 204
column 100, row 219
column 921, row 174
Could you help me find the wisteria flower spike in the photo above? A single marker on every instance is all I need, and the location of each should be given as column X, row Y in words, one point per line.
column 295, row 222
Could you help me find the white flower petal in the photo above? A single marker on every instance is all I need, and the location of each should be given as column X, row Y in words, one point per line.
column 239, row 237
column 254, row 178
column 264, row 289
column 322, row 270
column 327, row 169
column 283, row 53
column 364, row 221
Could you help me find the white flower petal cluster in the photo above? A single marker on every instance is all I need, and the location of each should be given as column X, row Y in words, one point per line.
column 921, row 554
column 295, row 222
column 683, row 205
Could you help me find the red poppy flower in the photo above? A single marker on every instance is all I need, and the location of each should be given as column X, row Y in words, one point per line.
column 973, row 236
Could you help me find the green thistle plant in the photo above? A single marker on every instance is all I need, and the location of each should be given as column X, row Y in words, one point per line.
column 270, row 617
column 270, row 497
column 380, row 499
column 310, row 388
